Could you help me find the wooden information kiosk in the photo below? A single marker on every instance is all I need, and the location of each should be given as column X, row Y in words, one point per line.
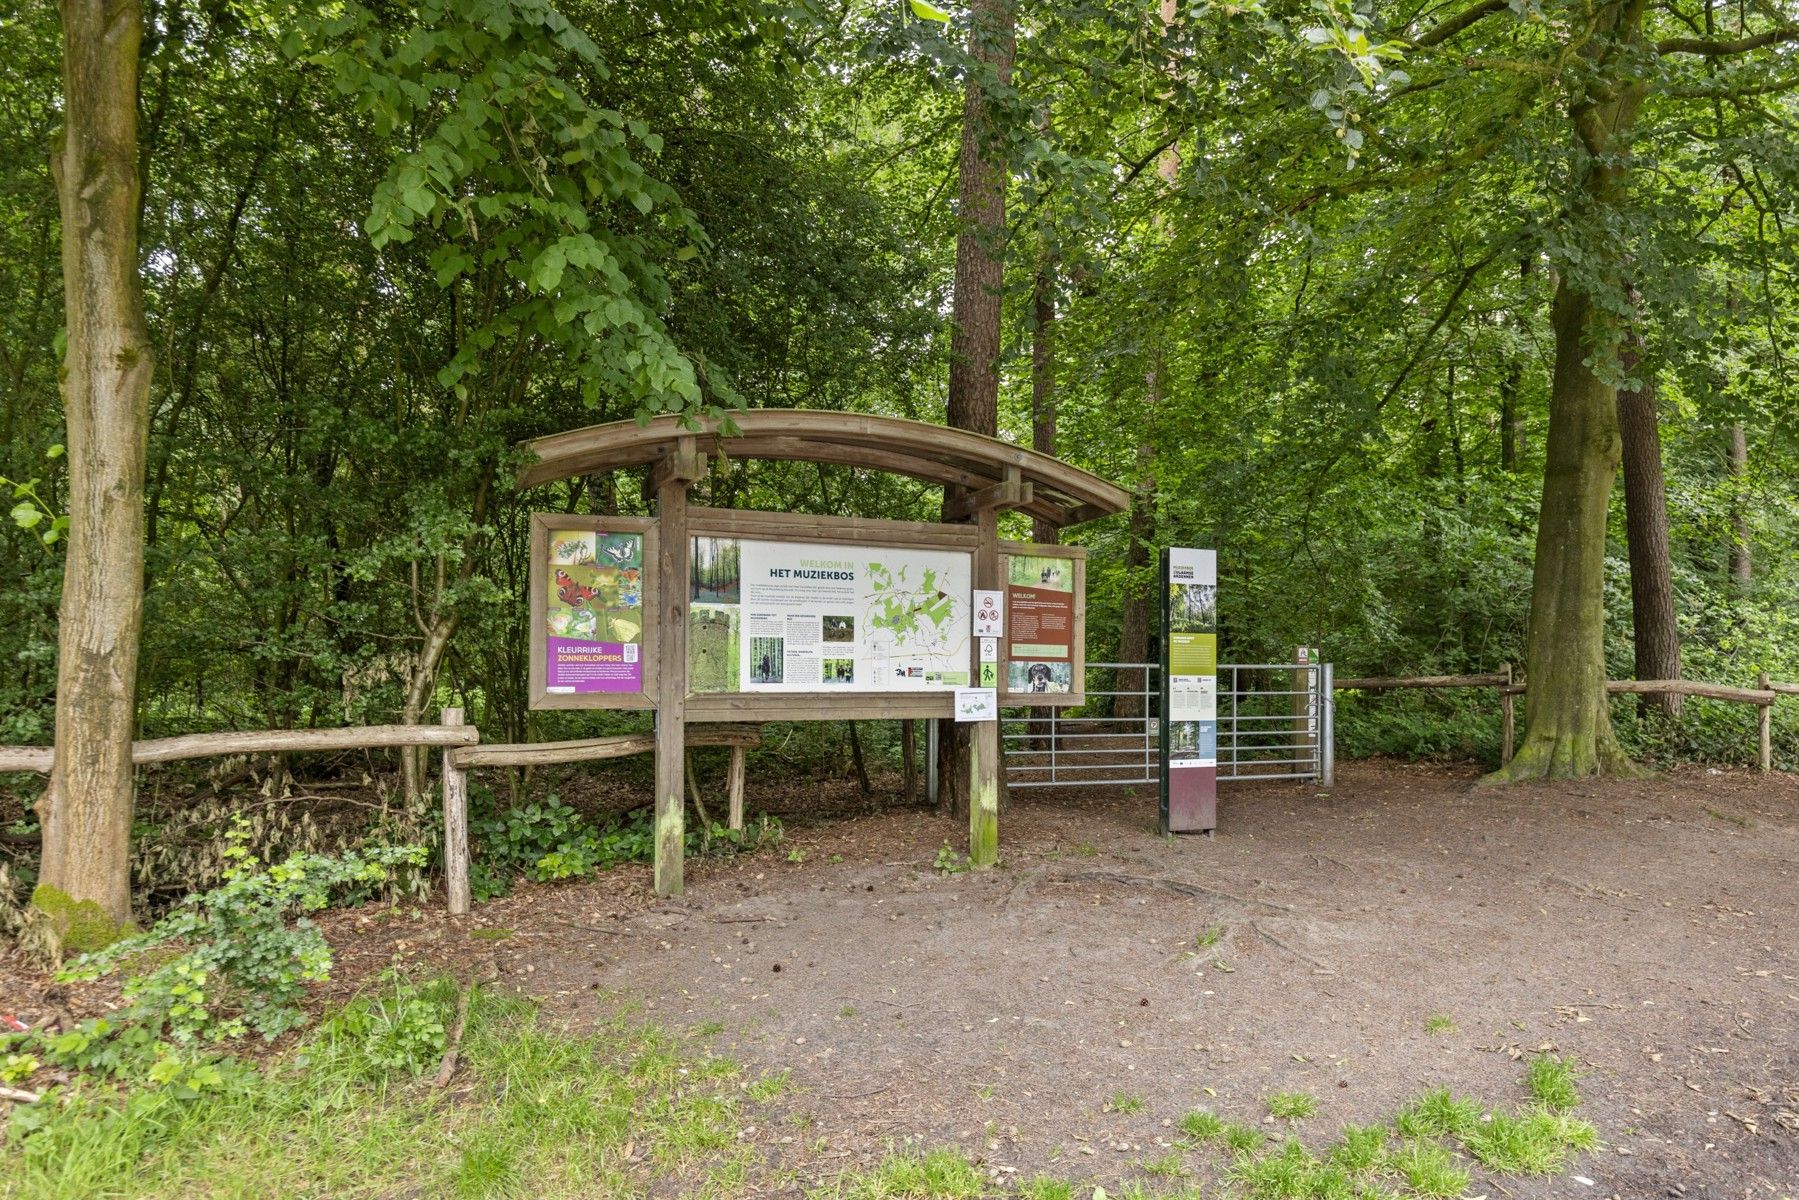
column 710, row 614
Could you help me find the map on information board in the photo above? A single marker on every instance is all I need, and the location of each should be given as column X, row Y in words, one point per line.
column 770, row 616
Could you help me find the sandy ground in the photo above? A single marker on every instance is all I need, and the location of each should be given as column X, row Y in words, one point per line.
column 1643, row 928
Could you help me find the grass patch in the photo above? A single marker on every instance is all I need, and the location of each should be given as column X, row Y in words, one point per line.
column 1042, row 1187
column 1123, row 1102
column 1437, row 1113
column 1209, row 938
column 1552, row 1083
column 538, row 1112
column 1169, row 1166
column 938, row 1175
column 769, row 1086
column 1200, row 1127
column 1360, row 1148
column 1429, row 1169
column 1438, row 1023
column 1292, row 1106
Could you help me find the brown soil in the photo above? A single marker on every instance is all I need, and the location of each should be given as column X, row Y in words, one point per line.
column 1642, row 928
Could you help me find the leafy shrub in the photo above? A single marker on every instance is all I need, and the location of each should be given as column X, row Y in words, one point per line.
column 220, row 965
column 551, row 841
column 400, row 1031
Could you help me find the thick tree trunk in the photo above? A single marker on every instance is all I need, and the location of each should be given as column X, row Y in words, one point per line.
column 85, row 884
column 1568, row 730
column 1568, row 722
column 1646, row 530
column 975, row 317
column 1740, row 565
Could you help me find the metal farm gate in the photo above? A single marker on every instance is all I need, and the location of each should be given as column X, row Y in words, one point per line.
column 1274, row 722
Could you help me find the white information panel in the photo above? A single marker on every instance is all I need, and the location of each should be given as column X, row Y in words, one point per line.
column 772, row 616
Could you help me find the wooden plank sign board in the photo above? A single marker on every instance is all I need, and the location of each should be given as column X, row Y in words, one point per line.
column 593, row 612
column 1045, row 643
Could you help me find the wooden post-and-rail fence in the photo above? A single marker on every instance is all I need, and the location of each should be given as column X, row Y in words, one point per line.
column 1762, row 695
column 462, row 751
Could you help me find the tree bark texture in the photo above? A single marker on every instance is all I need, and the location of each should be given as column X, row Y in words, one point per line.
column 1741, row 567
column 1657, row 640
column 1043, row 383
column 1568, row 725
column 85, row 884
column 975, row 305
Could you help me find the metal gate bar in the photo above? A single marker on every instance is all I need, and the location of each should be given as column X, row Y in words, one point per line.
column 1271, row 732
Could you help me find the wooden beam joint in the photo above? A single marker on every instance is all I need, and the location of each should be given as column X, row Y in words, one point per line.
column 1010, row 492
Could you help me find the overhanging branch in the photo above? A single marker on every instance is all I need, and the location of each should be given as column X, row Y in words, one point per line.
column 1715, row 49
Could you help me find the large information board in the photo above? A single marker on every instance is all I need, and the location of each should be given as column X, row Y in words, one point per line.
column 793, row 617
column 800, row 616
column 1189, row 690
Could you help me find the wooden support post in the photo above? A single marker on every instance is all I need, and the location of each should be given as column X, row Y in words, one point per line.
column 909, row 757
column 983, row 757
column 1764, row 725
column 1508, row 721
column 455, row 787
column 672, row 551
column 739, row 756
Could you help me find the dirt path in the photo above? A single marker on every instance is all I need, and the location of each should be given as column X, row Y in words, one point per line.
column 1644, row 929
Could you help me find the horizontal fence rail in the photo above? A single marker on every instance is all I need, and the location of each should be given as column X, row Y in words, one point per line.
column 264, row 741
column 1762, row 695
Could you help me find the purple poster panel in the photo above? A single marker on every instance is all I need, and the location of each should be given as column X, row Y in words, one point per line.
column 593, row 641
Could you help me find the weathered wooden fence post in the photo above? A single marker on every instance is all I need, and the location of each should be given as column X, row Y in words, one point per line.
column 455, row 788
column 1508, row 720
column 1764, row 722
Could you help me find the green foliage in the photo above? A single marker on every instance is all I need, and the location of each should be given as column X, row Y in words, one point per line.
column 232, row 960
column 549, row 841
column 949, row 861
column 399, row 1031
column 351, row 1111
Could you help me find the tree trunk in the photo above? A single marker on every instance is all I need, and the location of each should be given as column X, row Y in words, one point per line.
column 1646, row 529
column 1134, row 612
column 1043, row 383
column 1568, row 721
column 1043, row 433
column 1568, row 724
column 1740, row 564
column 975, row 317
column 85, row 884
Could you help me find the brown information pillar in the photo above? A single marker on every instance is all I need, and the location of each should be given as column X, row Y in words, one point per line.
column 672, row 478
column 983, row 756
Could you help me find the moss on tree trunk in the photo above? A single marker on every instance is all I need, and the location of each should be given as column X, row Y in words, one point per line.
column 1568, row 724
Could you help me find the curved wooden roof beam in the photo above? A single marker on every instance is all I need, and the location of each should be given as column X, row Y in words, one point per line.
column 947, row 457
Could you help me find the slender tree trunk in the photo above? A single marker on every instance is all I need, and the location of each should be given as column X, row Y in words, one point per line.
column 1043, row 382
column 1043, row 431
column 1509, row 432
column 85, row 884
column 1134, row 612
column 975, row 318
column 1646, row 530
column 1741, row 567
